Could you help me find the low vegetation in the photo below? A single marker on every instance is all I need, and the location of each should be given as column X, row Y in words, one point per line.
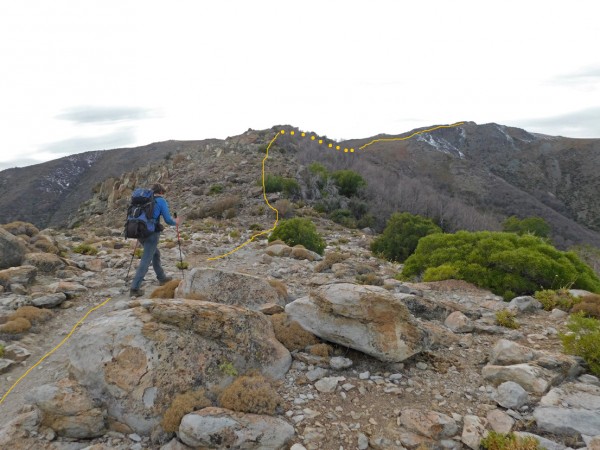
column 290, row 333
column 588, row 305
column 32, row 314
column 280, row 288
column 530, row 225
column 329, row 260
column 85, row 249
column 583, row 339
column 370, row 279
column 348, row 182
column 401, row 236
column 561, row 299
column 276, row 183
column 251, row 393
column 15, row 326
column 166, row 291
column 183, row 404
column 509, row 441
column 505, row 263
column 507, row 318
column 301, row 231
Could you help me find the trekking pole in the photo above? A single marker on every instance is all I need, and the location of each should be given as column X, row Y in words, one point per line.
column 179, row 243
column 131, row 262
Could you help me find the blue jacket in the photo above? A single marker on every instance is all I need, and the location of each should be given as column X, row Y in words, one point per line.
column 161, row 208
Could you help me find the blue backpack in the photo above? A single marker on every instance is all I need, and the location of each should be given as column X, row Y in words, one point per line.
column 139, row 224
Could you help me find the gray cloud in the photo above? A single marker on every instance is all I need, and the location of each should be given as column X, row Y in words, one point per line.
column 119, row 138
column 582, row 123
column 588, row 74
column 104, row 114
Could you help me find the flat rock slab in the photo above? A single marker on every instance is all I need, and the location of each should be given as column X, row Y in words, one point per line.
column 567, row 422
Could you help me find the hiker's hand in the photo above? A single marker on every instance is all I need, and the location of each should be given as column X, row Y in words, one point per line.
column 178, row 220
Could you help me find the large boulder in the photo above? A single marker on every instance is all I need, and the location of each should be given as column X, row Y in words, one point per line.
column 22, row 275
column 136, row 361
column 12, row 250
column 221, row 428
column 229, row 288
column 366, row 318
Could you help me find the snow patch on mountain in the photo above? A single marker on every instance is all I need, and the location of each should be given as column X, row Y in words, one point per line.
column 441, row 145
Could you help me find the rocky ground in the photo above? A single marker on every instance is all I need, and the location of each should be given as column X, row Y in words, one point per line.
column 462, row 376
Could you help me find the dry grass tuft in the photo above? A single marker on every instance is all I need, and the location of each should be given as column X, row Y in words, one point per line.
column 32, row 314
column 330, row 259
column 590, row 305
column 19, row 228
column 166, row 291
column 370, row 279
column 280, row 288
column 301, row 253
column 290, row 333
column 324, row 350
column 183, row 404
column 251, row 393
column 15, row 326
column 276, row 242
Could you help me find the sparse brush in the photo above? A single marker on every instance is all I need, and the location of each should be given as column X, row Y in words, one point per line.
column 509, row 441
column 85, row 249
column 276, row 242
column 551, row 299
column 1, row 351
column 299, row 252
column 182, row 265
column 166, row 291
column 251, row 393
column 506, row 318
column 589, row 305
column 370, row 278
column 183, row 404
column 16, row 326
column 324, row 350
column 21, row 228
column 329, row 260
column 32, row 314
column 280, row 288
column 196, row 296
column 290, row 333
column 583, row 339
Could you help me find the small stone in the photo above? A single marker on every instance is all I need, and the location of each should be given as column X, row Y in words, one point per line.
column 339, row 363
column 363, row 441
column 297, row 447
column 135, row 437
column 421, row 365
column 328, row 384
column 364, row 375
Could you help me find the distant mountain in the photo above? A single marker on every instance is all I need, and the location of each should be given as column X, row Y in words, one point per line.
column 466, row 177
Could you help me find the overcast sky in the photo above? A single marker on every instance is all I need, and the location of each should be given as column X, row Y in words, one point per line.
column 89, row 75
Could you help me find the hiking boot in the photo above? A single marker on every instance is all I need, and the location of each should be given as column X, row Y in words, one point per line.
column 165, row 281
column 136, row 292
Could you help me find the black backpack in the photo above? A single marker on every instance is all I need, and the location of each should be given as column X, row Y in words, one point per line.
column 139, row 224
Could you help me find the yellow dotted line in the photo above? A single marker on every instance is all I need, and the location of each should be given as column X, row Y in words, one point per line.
column 55, row 348
column 313, row 137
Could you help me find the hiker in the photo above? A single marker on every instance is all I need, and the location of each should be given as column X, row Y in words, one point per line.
column 150, row 244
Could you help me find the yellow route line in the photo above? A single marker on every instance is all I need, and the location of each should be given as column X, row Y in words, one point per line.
column 55, row 348
column 408, row 137
column 314, row 137
column 266, row 201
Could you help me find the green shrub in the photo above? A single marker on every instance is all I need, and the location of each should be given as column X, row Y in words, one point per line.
column 401, row 236
column 505, row 263
column 343, row 217
column 1, row 351
column 276, row 183
column 215, row 189
column 299, row 230
column 369, row 278
column 506, row 318
column 509, row 441
column 85, row 249
column 348, row 182
column 321, row 172
column 533, row 225
column 583, row 340
column 182, row 265
column 551, row 299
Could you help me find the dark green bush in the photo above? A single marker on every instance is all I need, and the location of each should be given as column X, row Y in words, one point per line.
column 551, row 299
column 532, row 225
column 343, row 217
column 509, row 441
column 320, row 171
column 401, row 236
column 215, row 189
column 583, row 339
column 348, row 182
column 299, row 230
column 501, row 262
column 276, row 183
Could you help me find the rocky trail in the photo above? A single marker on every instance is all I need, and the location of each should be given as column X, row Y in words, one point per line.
column 435, row 372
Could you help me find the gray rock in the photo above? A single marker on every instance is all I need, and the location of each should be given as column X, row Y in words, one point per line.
column 229, row 429
column 12, row 250
column 431, row 424
column 473, row 431
column 573, row 395
column 16, row 352
column 49, row 301
column 6, row 364
column 525, row 303
column 558, row 314
column 499, row 421
column 23, row 275
column 316, row 374
column 567, row 422
column 511, row 395
column 229, row 288
column 506, row 352
column 385, row 329
column 459, row 323
column 544, row 443
column 363, row 441
column 532, row 378
column 328, row 384
column 174, row 444
column 339, row 363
